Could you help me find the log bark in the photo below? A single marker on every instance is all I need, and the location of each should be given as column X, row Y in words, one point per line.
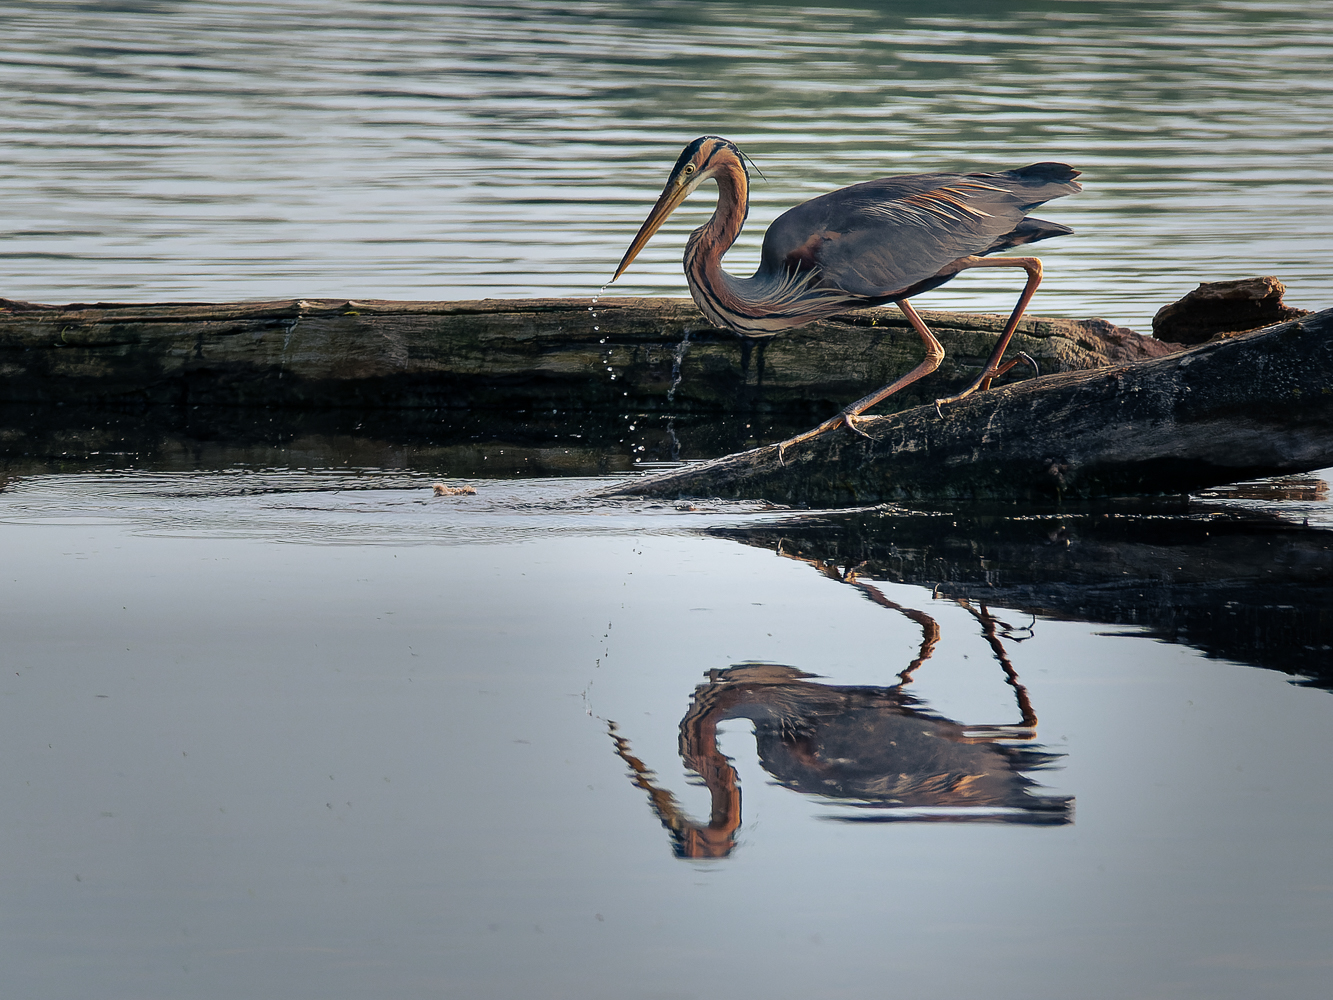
column 570, row 354
column 1254, row 405
column 1222, row 308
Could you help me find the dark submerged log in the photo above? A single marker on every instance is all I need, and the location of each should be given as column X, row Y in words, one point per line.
column 1254, row 405
column 569, row 354
column 482, row 443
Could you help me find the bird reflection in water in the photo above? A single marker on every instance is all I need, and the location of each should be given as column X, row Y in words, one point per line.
column 878, row 748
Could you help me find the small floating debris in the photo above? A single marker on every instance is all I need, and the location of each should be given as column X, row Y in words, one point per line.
column 452, row 491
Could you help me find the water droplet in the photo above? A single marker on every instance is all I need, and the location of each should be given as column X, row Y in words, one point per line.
column 676, row 363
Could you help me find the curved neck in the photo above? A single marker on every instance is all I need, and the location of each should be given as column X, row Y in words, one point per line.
column 708, row 243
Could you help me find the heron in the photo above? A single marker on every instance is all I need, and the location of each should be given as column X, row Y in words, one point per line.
column 880, row 241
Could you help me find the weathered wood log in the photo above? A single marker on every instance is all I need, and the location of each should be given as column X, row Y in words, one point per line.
column 570, row 354
column 1220, row 308
column 1254, row 405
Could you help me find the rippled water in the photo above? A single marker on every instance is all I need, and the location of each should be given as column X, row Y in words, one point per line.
column 324, row 507
column 223, row 150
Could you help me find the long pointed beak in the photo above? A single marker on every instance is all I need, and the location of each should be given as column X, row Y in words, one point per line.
column 670, row 200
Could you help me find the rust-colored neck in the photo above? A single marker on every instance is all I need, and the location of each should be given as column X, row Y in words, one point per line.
column 715, row 238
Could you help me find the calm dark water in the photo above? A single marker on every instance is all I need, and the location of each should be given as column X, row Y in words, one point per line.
column 276, row 721
column 222, row 150
column 318, row 733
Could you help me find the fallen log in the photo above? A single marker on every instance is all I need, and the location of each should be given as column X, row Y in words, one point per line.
column 643, row 354
column 1253, row 405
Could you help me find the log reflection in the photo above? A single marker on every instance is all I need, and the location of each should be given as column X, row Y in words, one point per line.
column 878, row 748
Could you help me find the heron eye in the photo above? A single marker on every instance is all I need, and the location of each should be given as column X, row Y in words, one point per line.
column 689, row 168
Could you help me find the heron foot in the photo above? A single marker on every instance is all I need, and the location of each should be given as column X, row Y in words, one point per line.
column 849, row 421
column 982, row 384
column 843, row 419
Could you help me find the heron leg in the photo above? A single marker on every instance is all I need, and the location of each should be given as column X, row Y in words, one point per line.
column 846, row 417
column 993, row 367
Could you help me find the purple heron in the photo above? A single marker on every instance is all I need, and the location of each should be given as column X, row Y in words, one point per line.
column 880, row 241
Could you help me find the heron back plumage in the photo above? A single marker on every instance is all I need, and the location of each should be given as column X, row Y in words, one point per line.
column 867, row 244
column 881, row 239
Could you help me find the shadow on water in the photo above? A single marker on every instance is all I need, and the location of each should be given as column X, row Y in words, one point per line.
column 877, row 748
column 1238, row 572
column 548, row 442
column 1243, row 573
column 1227, row 572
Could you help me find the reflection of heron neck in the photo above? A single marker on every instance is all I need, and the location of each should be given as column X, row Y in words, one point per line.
column 693, row 839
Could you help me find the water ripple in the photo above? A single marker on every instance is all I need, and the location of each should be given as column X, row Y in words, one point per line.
column 223, row 150
column 326, row 507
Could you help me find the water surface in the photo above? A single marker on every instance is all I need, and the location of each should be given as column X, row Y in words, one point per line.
column 312, row 733
column 212, row 150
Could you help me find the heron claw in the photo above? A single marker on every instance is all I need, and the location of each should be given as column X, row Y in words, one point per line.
column 849, row 421
column 843, row 419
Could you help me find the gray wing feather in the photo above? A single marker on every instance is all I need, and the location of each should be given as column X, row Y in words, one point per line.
column 883, row 236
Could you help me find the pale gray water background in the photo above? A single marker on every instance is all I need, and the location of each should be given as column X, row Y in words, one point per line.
column 274, row 729
column 269, row 734
column 192, row 149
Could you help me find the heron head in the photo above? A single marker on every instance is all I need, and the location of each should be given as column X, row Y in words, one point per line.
column 702, row 159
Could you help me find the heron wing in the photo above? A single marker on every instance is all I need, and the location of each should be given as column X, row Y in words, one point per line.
column 885, row 236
